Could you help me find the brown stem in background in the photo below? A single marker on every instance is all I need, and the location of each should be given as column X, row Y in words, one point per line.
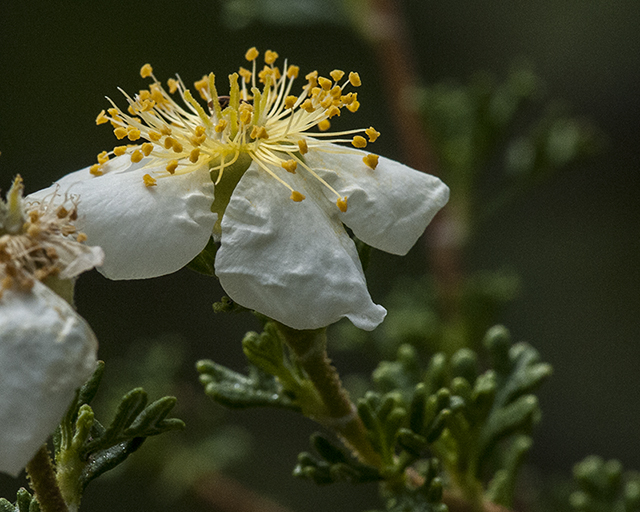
column 385, row 28
column 224, row 494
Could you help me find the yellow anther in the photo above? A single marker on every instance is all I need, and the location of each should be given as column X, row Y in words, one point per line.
column 359, row 142
column 81, row 237
column 147, row 148
column 172, row 166
column 354, row 78
column 144, row 94
column 303, row 147
column 103, row 158
column 325, row 83
column 327, row 102
column 120, row 132
column 177, row 147
column 95, row 170
column 324, row 125
column 200, row 130
column 337, row 74
column 194, row 155
column 270, row 57
column 353, row 106
column 132, row 110
column 147, row 105
column 154, row 136
column 102, row 118
column 336, row 92
column 113, row 112
column 245, row 74
column 259, row 132
column 172, row 83
column 202, row 86
column 165, row 130
column 149, row 181
column 371, row 161
column 146, row 71
column 219, row 128
column 293, row 71
column 297, row 196
column 136, row 156
column 290, row 101
column 246, row 113
column 342, row 204
column 290, row 166
column 312, row 78
column 133, row 134
column 119, row 150
column 252, row 54
column 347, row 98
column 372, row 133
column 333, row 111
column 168, row 143
column 308, row 106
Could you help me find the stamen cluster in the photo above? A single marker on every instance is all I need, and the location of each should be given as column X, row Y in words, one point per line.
column 39, row 242
column 260, row 118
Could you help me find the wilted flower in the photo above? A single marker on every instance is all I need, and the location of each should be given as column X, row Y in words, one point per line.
column 283, row 194
column 46, row 349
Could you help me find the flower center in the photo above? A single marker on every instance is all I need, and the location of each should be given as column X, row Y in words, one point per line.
column 260, row 118
column 35, row 242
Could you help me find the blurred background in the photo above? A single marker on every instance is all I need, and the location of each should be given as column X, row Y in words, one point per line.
column 574, row 240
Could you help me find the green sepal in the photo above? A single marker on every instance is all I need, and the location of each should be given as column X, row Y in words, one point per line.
column 204, row 262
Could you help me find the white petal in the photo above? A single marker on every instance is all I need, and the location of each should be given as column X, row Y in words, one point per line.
column 47, row 351
column 291, row 261
column 389, row 207
column 144, row 231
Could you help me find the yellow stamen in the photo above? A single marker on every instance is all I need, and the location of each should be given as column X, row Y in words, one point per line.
column 194, row 155
column 95, row 170
column 102, row 118
column 372, row 134
column 146, row 71
column 290, row 166
column 270, row 57
column 342, row 204
column 324, row 125
column 371, row 161
column 252, row 54
column 133, row 134
column 222, row 124
column 359, row 142
column 290, row 101
column 297, row 196
column 119, row 150
column 136, row 156
column 103, row 158
column 172, row 166
column 325, row 83
column 81, row 237
column 172, row 83
column 149, row 181
column 337, row 74
column 147, row 148
column 154, row 136
column 303, row 147
column 354, row 78
column 120, row 132
column 293, row 71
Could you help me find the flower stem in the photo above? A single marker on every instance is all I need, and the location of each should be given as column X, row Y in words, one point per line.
column 310, row 349
column 42, row 479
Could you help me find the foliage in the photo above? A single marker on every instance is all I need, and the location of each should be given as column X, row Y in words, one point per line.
column 604, row 487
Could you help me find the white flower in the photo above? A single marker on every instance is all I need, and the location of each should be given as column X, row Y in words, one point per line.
column 283, row 194
column 46, row 350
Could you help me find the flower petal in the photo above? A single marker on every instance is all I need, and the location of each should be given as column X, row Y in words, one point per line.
column 390, row 206
column 47, row 351
column 144, row 231
column 292, row 261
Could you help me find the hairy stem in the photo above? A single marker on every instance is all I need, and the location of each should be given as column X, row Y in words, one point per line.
column 310, row 349
column 42, row 479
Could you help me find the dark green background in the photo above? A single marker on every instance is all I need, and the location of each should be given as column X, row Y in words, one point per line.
column 575, row 241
